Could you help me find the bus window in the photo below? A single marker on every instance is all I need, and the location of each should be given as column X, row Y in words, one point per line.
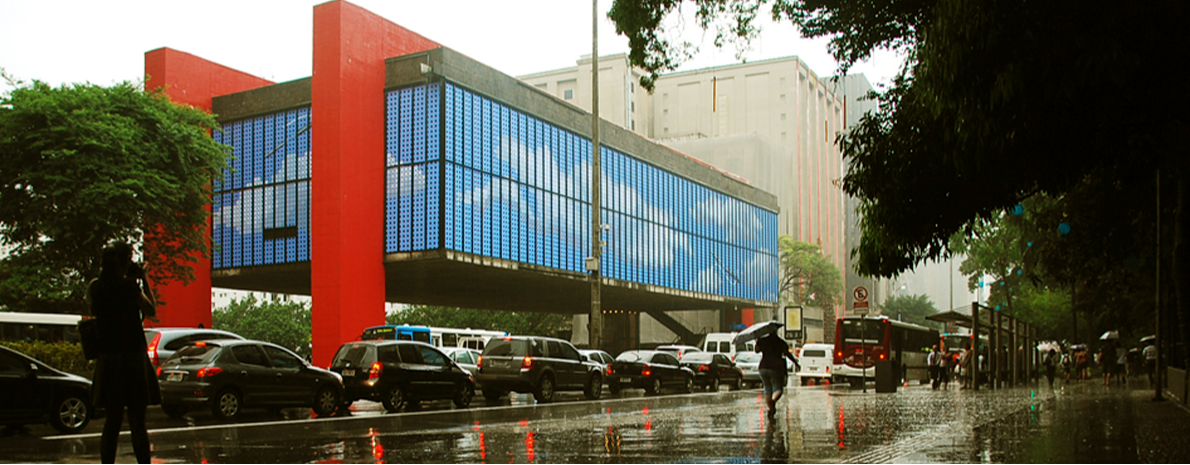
column 871, row 331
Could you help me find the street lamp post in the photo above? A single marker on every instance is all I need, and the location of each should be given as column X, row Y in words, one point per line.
column 595, row 325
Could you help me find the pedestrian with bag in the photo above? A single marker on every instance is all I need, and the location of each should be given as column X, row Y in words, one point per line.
column 120, row 299
column 1150, row 355
column 934, row 360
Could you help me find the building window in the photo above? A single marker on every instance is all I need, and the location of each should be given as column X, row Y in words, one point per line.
column 782, row 136
column 633, row 106
column 568, row 94
column 782, row 116
column 541, row 86
column 666, row 131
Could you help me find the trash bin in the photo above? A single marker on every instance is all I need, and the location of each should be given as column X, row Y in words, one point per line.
column 886, row 376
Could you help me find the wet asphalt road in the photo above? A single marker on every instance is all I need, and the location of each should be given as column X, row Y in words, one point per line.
column 1077, row 423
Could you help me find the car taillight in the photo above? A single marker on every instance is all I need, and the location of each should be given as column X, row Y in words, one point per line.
column 527, row 363
column 645, row 371
column 208, row 372
column 376, row 370
column 158, row 371
column 609, row 368
column 881, row 356
column 479, row 362
column 703, row 368
column 153, row 349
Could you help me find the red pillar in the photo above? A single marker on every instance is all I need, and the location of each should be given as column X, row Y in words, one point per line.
column 193, row 81
column 347, row 186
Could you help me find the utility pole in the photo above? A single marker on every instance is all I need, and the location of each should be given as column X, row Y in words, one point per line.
column 595, row 325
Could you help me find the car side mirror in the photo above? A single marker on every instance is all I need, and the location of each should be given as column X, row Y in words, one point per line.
column 32, row 370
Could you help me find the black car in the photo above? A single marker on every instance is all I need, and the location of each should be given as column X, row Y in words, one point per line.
column 37, row 393
column 163, row 342
column 230, row 375
column 650, row 370
column 712, row 369
column 540, row 365
column 400, row 373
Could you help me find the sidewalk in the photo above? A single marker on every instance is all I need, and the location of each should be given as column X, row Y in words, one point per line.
column 1078, row 422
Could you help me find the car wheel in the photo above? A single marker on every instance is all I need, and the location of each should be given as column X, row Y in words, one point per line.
column 227, row 405
column 72, row 414
column 689, row 385
column 545, row 389
column 326, row 401
column 614, row 388
column 174, row 410
column 466, row 393
column 395, row 399
column 653, row 387
column 594, row 388
column 714, row 385
column 492, row 394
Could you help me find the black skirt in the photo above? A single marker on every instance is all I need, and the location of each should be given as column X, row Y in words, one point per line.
column 125, row 379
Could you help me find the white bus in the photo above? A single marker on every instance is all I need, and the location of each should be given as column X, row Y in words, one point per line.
column 469, row 338
column 48, row 327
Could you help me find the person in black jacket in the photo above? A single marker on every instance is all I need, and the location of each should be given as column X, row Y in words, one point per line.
column 124, row 378
column 772, row 351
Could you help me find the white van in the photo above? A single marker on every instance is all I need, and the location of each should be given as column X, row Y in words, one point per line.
column 721, row 343
column 814, row 362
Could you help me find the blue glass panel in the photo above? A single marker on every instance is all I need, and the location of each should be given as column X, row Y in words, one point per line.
column 418, row 116
column 432, row 122
column 433, row 206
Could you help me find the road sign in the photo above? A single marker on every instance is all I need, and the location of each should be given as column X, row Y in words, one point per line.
column 860, row 296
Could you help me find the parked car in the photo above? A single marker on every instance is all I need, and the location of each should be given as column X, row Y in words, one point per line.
column 650, row 370
column 678, row 351
column 38, row 393
column 401, row 373
column 229, row 375
column 599, row 357
column 163, row 342
column 749, row 364
column 815, row 363
column 540, row 365
column 463, row 356
column 712, row 369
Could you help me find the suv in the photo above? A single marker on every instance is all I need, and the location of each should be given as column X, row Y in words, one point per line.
column 400, row 373
column 163, row 342
column 540, row 365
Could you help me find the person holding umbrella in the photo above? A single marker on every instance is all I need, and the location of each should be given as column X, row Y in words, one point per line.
column 771, row 367
column 772, row 350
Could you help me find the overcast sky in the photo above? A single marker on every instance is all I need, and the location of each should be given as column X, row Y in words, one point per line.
column 65, row 41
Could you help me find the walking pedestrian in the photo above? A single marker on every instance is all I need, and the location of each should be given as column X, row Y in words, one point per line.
column 934, row 360
column 1081, row 364
column 965, row 367
column 124, row 378
column 1107, row 361
column 772, row 351
column 1121, row 365
column 1150, row 355
column 1051, row 365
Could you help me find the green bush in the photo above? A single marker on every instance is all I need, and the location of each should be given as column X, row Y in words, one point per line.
column 65, row 356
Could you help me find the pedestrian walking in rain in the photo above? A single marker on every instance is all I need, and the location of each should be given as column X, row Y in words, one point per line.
column 1051, row 365
column 934, row 360
column 772, row 351
column 1121, row 365
column 1107, row 361
column 1081, row 364
column 1150, row 355
column 965, row 367
column 120, row 298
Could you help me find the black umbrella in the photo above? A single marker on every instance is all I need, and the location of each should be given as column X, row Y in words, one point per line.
column 757, row 331
column 1148, row 340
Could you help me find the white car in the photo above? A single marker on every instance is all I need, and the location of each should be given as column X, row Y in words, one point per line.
column 815, row 363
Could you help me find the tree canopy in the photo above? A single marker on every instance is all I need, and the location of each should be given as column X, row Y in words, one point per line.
column 521, row 323
column 87, row 164
column 286, row 324
column 807, row 276
column 911, row 309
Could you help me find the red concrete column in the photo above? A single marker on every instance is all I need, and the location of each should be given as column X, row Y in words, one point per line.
column 190, row 80
column 347, row 184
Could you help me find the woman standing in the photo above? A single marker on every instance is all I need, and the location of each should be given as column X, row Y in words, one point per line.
column 120, row 299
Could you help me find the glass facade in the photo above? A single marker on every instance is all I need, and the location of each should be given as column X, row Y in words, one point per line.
column 261, row 210
column 518, row 188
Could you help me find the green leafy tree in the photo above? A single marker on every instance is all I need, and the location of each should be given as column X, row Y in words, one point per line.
column 517, row 323
column 86, row 164
column 807, row 276
column 911, row 309
column 286, row 324
column 998, row 102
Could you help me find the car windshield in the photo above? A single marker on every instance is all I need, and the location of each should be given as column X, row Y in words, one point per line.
column 629, row 357
column 353, row 354
column 747, row 358
column 698, row 357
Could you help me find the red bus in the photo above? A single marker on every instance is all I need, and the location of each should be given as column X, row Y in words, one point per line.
column 860, row 342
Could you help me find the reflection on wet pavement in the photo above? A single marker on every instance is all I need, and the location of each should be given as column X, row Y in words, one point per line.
column 1080, row 423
